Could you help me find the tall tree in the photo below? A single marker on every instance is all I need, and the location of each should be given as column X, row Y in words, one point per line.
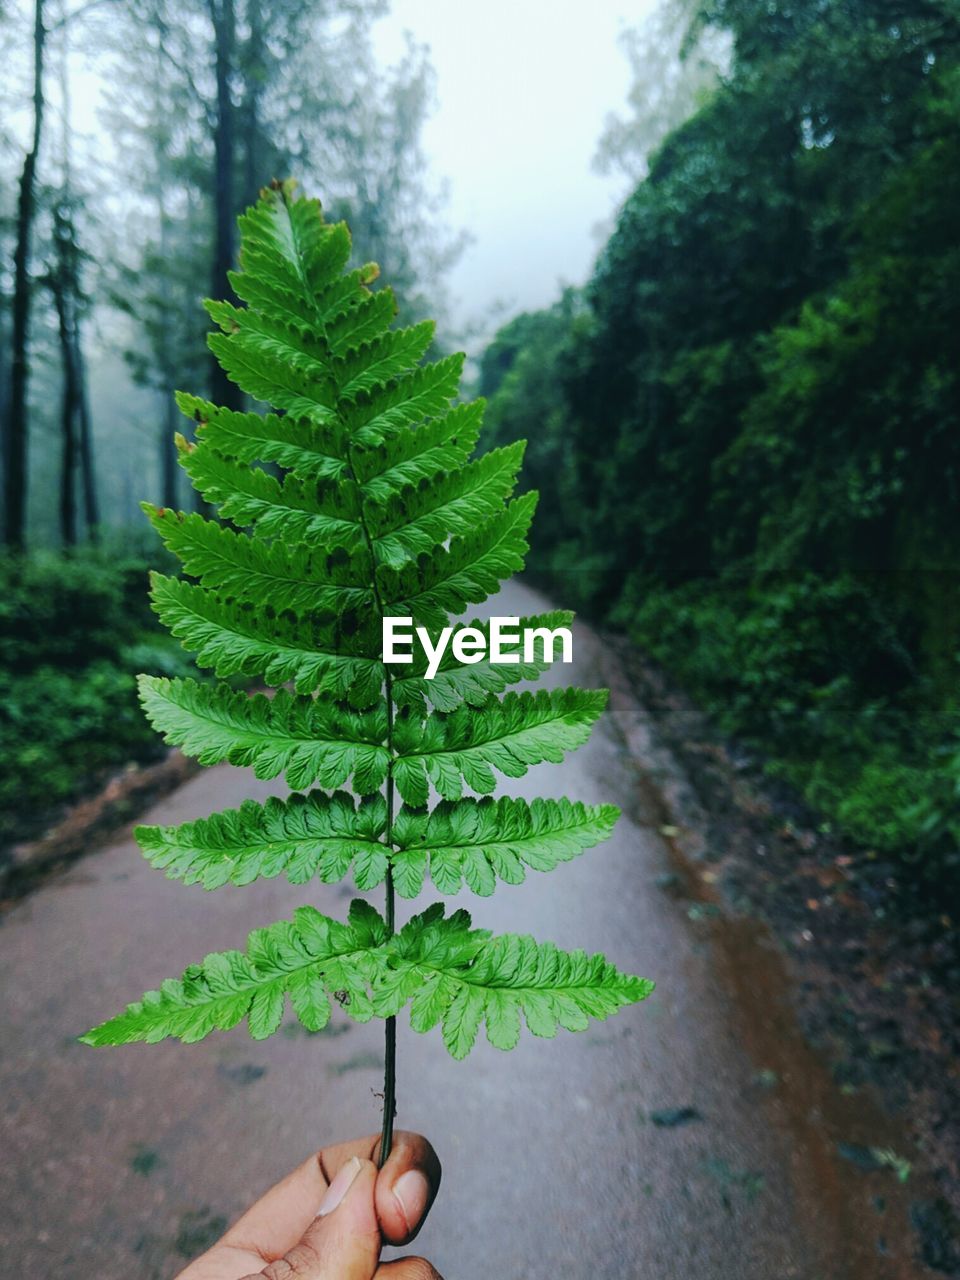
column 15, row 439
column 224, row 20
column 61, row 283
column 160, row 114
column 220, row 100
column 675, row 63
column 65, row 281
column 255, row 71
column 359, row 128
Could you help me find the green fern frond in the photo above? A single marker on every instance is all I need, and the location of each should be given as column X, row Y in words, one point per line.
column 326, row 582
column 306, row 449
column 227, row 638
column 478, row 842
column 404, row 456
column 415, row 519
column 448, row 972
column 381, row 361
column 303, row 837
column 362, row 323
column 353, row 498
column 449, row 579
column 420, row 394
column 325, row 513
column 308, row 740
column 509, row 734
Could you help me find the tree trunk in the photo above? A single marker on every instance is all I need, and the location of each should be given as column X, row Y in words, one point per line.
column 15, row 459
column 5, row 337
column 168, row 451
column 91, row 500
column 223, row 16
column 254, row 69
column 77, row 425
column 68, row 405
column 166, row 445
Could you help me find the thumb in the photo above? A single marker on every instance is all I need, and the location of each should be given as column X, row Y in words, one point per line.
column 343, row 1241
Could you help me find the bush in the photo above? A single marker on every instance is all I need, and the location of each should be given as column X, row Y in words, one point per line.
column 74, row 632
column 811, row 673
column 66, row 612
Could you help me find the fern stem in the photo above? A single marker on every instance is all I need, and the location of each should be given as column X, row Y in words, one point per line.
column 390, row 1026
column 389, row 1089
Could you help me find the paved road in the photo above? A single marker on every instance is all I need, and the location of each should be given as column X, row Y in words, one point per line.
column 121, row 1163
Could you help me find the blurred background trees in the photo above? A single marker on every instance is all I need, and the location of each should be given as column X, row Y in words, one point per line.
column 743, row 428
column 204, row 104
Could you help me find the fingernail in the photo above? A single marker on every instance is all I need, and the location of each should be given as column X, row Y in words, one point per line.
column 412, row 1191
column 339, row 1187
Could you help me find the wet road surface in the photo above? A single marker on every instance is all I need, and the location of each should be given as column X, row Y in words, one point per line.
column 121, row 1163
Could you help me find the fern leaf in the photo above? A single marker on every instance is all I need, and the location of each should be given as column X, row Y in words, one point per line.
column 449, row 973
column 362, row 323
column 303, row 837
column 323, row 512
column 308, row 741
column 506, row 976
column 261, row 367
column 288, row 240
column 406, row 456
column 396, row 353
column 308, row 960
column 353, row 496
column 294, row 345
column 326, row 582
column 230, row 640
column 268, row 295
column 419, row 519
column 479, row 842
column 272, row 298
column 447, row 580
column 300, row 445
column 465, row 746
column 336, row 300
column 421, row 394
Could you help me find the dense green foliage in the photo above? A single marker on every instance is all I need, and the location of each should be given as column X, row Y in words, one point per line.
column 367, row 507
column 749, row 442
column 74, row 631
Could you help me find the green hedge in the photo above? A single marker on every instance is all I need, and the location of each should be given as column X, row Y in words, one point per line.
column 812, row 674
column 74, row 632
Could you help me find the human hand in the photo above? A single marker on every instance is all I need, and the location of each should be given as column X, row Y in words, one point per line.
column 329, row 1219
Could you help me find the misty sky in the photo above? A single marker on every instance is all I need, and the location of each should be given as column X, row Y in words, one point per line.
column 523, row 89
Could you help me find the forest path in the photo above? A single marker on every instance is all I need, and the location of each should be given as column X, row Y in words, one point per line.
column 125, row 1162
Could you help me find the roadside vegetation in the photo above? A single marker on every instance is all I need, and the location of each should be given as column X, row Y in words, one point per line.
column 745, row 428
column 74, row 633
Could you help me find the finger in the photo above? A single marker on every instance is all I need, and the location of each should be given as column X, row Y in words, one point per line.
column 407, row 1185
column 280, row 1217
column 343, row 1241
column 407, row 1269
